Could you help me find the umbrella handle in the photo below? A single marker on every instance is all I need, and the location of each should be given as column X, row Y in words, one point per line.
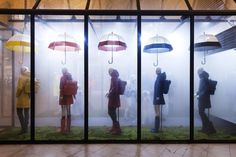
column 204, row 59
column 156, row 64
column 111, row 61
column 22, row 58
column 64, row 60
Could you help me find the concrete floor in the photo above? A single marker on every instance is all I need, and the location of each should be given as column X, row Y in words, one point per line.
column 119, row 150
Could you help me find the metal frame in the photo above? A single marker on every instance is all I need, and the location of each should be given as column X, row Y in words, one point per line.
column 138, row 14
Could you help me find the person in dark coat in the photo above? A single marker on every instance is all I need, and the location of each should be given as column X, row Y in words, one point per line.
column 204, row 101
column 158, row 98
column 65, row 102
column 114, row 101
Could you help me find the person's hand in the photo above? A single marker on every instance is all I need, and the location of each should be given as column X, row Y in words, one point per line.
column 107, row 95
column 61, row 98
column 157, row 98
column 74, row 96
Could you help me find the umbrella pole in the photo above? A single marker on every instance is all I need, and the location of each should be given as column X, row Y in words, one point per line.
column 111, row 61
column 64, row 52
column 204, row 58
column 20, row 61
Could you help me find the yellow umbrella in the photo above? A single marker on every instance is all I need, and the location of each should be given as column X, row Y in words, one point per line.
column 19, row 43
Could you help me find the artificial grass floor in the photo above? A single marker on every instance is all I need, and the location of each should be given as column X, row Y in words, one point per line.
column 54, row 134
column 12, row 134
column 219, row 135
column 101, row 133
column 167, row 133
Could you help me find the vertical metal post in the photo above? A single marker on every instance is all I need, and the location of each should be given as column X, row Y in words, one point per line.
column 32, row 75
column 2, row 82
column 139, row 62
column 13, row 100
column 86, row 78
column 191, row 78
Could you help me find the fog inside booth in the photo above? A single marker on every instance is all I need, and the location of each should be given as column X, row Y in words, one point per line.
column 220, row 64
column 15, row 54
column 174, row 123
column 59, row 44
column 125, row 62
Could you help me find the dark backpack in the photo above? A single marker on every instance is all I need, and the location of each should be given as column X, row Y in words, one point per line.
column 166, row 86
column 212, row 86
column 121, row 86
column 70, row 87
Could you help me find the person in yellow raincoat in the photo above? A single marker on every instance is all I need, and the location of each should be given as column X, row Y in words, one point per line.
column 23, row 99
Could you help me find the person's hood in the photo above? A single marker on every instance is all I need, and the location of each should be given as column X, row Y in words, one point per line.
column 204, row 74
column 114, row 73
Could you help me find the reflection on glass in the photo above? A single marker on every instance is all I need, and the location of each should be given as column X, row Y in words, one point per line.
column 59, row 67
column 214, row 72
column 165, row 79
column 112, row 79
column 15, row 80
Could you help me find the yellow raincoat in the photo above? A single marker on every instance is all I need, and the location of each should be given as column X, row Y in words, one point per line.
column 22, row 99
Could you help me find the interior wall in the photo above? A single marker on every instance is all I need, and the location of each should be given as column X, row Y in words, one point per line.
column 175, row 64
column 124, row 61
column 48, row 64
column 221, row 67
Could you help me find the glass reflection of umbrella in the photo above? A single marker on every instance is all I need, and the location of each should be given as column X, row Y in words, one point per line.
column 157, row 44
column 64, row 43
column 112, row 42
column 205, row 43
column 19, row 43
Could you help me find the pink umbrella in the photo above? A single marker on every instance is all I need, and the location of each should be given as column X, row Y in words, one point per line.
column 112, row 42
column 64, row 43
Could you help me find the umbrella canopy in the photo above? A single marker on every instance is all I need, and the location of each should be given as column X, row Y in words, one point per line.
column 205, row 43
column 112, row 42
column 157, row 44
column 19, row 43
column 64, row 43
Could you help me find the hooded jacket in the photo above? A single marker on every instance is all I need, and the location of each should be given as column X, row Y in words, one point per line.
column 22, row 98
column 203, row 90
column 113, row 95
column 158, row 98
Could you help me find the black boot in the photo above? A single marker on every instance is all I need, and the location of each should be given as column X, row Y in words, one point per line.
column 157, row 125
column 210, row 129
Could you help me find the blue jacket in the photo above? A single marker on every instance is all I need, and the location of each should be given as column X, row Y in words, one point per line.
column 158, row 98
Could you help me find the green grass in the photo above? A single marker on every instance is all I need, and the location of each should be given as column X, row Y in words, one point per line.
column 11, row 134
column 101, row 133
column 167, row 133
column 54, row 134
column 219, row 135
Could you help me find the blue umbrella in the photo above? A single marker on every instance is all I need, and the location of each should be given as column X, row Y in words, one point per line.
column 157, row 44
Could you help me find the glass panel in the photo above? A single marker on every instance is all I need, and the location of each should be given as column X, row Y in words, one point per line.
column 62, row 4
column 59, row 110
column 14, row 75
column 113, row 5
column 115, row 42
column 19, row 4
column 165, row 116
column 163, row 5
column 214, row 59
column 213, row 4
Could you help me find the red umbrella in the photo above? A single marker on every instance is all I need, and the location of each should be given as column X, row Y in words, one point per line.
column 64, row 43
column 112, row 42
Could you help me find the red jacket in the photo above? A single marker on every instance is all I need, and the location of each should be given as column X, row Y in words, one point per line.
column 65, row 99
column 113, row 95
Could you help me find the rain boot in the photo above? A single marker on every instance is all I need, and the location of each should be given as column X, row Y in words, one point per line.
column 63, row 125
column 117, row 129
column 210, row 128
column 157, row 124
column 68, row 124
column 112, row 128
